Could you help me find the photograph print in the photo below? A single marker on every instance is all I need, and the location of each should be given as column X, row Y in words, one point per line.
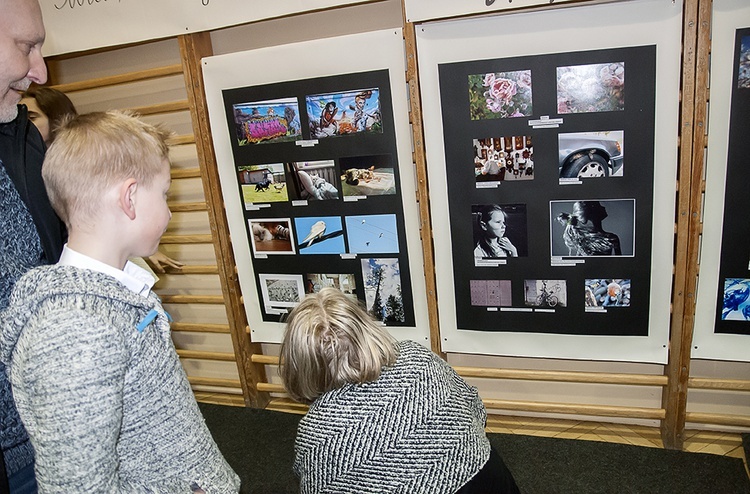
column 262, row 183
column 315, row 282
column 281, row 291
column 320, row 235
column 736, row 304
column 367, row 176
column 743, row 73
column 545, row 294
column 590, row 154
column 342, row 113
column 271, row 236
column 383, row 297
column 591, row 88
column 499, row 230
column 267, row 121
column 500, row 95
column 607, row 292
column 491, row 293
column 592, row 228
column 504, row 158
column 314, row 180
column 372, row 234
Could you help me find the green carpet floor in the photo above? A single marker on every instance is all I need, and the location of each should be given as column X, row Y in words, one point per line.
column 259, row 445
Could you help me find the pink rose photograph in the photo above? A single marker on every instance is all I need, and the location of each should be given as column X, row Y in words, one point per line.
column 500, row 95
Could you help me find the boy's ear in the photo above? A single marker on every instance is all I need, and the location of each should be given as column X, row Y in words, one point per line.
column 126, row 197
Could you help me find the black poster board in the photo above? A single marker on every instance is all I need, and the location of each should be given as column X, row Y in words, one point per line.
column 533, row 109
column 321, row 191
column 733, row 307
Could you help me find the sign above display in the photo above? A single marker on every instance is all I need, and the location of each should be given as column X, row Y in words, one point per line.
column 78, row 25
column 427, row 10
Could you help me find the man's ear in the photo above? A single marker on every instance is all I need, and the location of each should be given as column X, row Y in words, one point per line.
column 126, row 197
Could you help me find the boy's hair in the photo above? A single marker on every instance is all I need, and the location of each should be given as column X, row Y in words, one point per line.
column 330, row 340
column 92, row 152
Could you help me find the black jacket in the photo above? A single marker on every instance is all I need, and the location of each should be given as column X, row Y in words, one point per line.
column 22, row 153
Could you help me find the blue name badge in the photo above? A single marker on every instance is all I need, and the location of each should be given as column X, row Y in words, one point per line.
column 150, row 318
column 147, row 320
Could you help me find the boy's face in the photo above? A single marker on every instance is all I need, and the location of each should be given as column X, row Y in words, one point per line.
column 152, row 210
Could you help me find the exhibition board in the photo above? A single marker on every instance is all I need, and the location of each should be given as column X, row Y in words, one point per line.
column 317, row 176
column 491, row 86
column 722, row 322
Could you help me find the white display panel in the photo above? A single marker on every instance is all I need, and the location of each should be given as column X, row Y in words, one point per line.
column 620, row 25
column 728, row 16
column 333, row 57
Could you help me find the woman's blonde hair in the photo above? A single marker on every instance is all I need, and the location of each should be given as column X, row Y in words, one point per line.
column 93, row 151
column 330, row 340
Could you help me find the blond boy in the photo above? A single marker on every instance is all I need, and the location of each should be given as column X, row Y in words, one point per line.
column 87, row 343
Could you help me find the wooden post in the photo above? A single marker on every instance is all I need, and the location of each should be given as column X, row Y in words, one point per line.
column 695, row 71
column 193, row 47
column 423, row 197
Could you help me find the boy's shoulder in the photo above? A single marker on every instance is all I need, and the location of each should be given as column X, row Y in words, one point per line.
column 68, row 303
column 51, row 280
column 56, row 287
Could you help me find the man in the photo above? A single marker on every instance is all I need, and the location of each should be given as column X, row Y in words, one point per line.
column 30, row 232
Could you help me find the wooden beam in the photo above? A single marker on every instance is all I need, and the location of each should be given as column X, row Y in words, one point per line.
column 159, row 108
column 695, row 46
column 545, row 407
column 423, row 193
column 195, row 327
column 271, row 388
column 184, row 207
column 577, row 409
column 718, row 419
column 212, row 381
column 181, row 140
column 193, row 269
column 178, row 173
column 563, row 376
column 535, row 375
column 723, row 384
column 187, row 239
column 265, row 359
column 201, row 355
column 193, row 299
column 113, row 80
column 193, row 47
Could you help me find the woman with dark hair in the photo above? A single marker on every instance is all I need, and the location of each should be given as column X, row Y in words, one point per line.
column 47, row 108
column 584, row 235
column 492, row 240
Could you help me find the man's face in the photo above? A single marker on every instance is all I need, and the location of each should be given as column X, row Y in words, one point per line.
column 21, row 62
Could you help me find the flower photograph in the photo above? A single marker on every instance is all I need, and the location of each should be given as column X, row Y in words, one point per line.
column 500, row 95
column 591, row 88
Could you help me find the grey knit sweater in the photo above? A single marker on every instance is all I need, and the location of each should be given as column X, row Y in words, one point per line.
column 419, row 428
column 105, row 401
column 20, row 250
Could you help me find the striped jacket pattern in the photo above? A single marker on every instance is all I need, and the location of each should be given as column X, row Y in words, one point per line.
column 418, row 428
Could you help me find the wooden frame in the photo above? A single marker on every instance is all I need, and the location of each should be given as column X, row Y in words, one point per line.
column 193, row 47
